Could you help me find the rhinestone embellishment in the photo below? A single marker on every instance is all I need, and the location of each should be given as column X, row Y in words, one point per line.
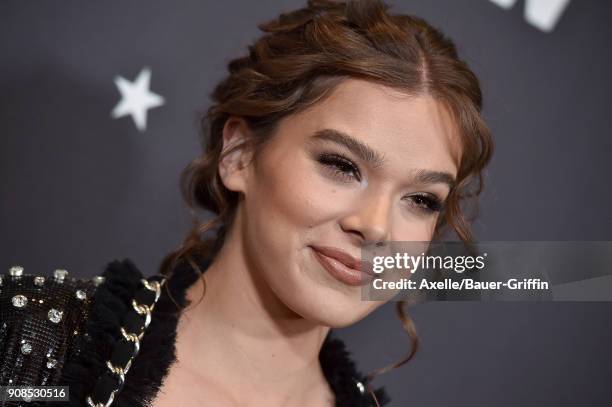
column 39, row 281
column 19, row 301
column 60, row 275
column 54, row 315
column 80, row 294
column 51, row 363
column 361, row 387
column 16, row 271
column 26, row 348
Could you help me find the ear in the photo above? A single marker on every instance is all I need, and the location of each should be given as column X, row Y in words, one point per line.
column 233, row 167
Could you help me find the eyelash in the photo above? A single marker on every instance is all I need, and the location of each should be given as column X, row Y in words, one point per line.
column 347, row 171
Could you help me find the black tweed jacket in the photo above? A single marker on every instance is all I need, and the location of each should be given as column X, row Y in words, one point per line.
column 93, row 336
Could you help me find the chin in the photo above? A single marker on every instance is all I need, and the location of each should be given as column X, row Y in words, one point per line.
column 310, row 292
column 307, row 289
column 340, row 317
column 329, row 307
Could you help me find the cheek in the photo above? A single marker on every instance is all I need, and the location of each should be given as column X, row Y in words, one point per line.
column 278, row 208
column 295, row 195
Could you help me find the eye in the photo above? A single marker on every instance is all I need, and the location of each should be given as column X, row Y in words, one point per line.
column 341, row 166
column 428, row 204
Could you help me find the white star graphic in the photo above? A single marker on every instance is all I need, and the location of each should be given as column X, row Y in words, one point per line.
column 136, row 98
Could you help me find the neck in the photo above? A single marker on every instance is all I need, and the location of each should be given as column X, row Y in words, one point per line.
column 249, row 341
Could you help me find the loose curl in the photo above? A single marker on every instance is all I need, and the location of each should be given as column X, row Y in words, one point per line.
column 301, row 58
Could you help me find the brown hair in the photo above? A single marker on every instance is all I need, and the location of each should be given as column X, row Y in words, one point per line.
column 301, row 57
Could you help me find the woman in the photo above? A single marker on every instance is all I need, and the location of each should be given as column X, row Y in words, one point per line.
column 343, row 125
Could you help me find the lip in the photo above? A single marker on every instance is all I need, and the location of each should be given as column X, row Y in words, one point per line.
column 342, row 265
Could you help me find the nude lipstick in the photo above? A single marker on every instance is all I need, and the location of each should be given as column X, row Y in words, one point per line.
column 342, row 266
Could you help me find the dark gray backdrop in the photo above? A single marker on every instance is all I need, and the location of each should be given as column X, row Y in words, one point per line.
column 80, row 188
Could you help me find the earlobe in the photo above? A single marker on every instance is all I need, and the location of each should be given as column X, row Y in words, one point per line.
column 234, row 156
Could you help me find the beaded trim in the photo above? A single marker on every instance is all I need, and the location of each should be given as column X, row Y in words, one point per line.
column 126, row 349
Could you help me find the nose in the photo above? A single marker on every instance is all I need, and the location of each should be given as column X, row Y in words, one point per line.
column 370, row 219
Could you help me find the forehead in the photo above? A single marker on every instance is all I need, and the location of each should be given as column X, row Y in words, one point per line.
column 414, row 131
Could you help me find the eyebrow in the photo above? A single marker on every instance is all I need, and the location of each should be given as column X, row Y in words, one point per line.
column 376, row 159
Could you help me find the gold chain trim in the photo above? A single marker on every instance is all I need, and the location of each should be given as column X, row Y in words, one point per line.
column 141, row 309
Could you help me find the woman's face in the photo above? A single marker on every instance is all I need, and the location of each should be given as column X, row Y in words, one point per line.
column 351, row 169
